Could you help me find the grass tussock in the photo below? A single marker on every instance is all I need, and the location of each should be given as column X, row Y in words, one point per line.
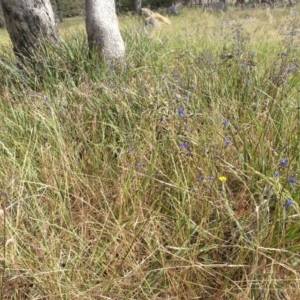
column 173, row 177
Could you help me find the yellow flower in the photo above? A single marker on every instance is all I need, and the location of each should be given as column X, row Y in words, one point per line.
column 222, row 179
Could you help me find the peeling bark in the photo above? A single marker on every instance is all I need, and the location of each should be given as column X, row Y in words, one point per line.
column 103, row 29
column 28, row 22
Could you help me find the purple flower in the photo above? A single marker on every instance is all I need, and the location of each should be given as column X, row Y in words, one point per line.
column 140, row 165
column 181, row 112
column 225, row 122
column 293, row 180
column 276, row 174
column 288, row 203
column 183, row 145
column 227, row 141
column 210, row 178
column 201, row 178
column 284, row 163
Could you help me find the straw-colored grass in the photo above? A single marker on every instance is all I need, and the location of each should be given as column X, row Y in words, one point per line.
column 172, row 177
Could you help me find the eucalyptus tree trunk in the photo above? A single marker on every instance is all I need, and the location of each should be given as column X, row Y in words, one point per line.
column 2, row 22
column 59, row 11
column 137, row 6
column 103, row 29
column 28, row 22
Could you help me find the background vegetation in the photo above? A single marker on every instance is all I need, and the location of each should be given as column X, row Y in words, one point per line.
column 173, row 177
column 72, row 8
column 76, row 7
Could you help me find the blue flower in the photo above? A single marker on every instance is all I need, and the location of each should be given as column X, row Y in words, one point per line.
column 225, row 122
column 140, row 165
column 227, row 141
column 276, row 174
column 293, row 180
column 181, row 112
column 288, row 203
column 284, row 163
column 201, row 178
column 183, row 145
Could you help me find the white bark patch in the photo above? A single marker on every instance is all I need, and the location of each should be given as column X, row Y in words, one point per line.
column 28, row 22
column 103, row 29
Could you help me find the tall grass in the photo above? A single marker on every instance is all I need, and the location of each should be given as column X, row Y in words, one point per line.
column 173, row 177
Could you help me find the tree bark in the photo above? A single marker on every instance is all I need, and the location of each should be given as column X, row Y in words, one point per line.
column 136, row 6
column 28, row 22
column 2, row 22
column 59, row 11
column 103, row 30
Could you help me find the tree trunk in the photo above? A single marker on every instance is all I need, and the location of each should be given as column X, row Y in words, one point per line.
column 103, row 29
column 2, row 22
column 59, row 11
column 137, row 6
column 28, row 22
